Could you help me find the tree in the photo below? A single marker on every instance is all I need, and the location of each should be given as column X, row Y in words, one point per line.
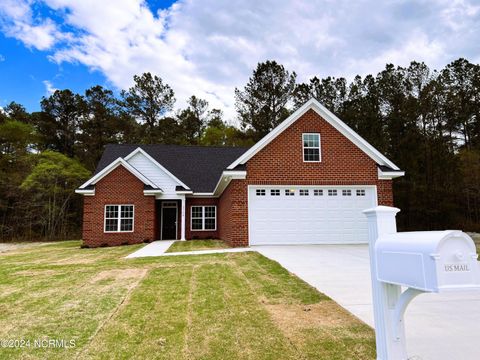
column 102, row 123
column 148, row 101
column 59, row 120
column 330, row 92
column 262, row 104
column 462, row 100
column 192, row 119
column 51, row 185
column 15, row 140
column 16, row 111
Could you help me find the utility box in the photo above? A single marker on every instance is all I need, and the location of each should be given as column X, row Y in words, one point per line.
column 432, row 261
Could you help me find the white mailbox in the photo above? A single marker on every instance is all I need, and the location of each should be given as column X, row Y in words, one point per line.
column 432, row 261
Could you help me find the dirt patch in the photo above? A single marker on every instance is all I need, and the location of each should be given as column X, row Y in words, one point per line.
column 4, row 247
column 36, row 272
column 123, row 274
column 294, row 318
column 76, row 260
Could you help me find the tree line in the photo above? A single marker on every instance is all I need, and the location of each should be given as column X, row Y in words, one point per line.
column 426, row 121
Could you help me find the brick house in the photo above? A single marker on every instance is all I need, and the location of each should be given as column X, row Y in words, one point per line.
column 306, row 182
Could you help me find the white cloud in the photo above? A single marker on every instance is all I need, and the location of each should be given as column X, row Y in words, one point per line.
column 17, row 20
column 49, row 88
column 2, row 58
column 208, row 48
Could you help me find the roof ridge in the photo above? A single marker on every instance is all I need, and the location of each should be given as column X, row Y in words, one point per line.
column 182, row 146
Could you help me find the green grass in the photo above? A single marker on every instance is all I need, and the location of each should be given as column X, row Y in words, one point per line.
column 222, row 306
column 192, row 245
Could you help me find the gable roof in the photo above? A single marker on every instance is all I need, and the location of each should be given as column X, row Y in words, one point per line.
column 139, row 150
column 328, row 116
column 112, row 166
column 198, row 167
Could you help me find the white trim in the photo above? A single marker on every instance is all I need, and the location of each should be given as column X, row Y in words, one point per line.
column 389, row 175
column 331, row 119
column 374, row 187
column 183, row 205
column 184, row 192
column 176, row 218
column 152, row 192
column 84, row 192
column 203, row 217
column 227, row 176
column 144, row 153
column 119, row 219
column 112, row 166
column 319, row 148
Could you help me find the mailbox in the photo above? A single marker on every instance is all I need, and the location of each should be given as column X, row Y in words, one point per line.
column 432, row 261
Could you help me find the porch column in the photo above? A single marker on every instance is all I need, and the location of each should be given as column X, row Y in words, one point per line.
column 183, row 218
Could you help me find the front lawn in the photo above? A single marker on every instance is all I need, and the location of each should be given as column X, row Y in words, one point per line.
column 223, row 306
column 192, row 245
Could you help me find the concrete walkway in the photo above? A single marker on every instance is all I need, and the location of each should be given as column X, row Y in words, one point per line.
column 155, row 248
column 158, row 248
column 204, row 252
column 438, row 326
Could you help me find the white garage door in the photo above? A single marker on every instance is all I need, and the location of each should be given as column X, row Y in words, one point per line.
column 308, row 215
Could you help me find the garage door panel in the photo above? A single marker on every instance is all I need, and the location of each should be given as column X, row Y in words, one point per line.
column 309, row 219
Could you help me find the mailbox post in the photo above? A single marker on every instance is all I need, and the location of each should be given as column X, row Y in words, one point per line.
column 424, row 261
column 381, row 221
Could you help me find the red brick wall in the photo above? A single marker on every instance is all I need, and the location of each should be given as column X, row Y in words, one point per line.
column 233, row 214
column 281, row 163
column 189, row 234
column 118, row 187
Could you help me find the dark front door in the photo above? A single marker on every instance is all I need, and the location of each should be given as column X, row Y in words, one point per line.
column 169, row 223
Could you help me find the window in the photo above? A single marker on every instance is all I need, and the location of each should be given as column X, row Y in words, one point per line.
column 360, row 192
column 317, row 192
column 289, row 192
column 303, row 192
column 118, row 218
column 260, row 192
column 332, row 192
column 346, row 192
column 311, row 147
column 275, row 192
column 204, row 218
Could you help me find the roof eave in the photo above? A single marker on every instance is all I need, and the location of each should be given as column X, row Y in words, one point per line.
column 84, row 192
column 389, row 175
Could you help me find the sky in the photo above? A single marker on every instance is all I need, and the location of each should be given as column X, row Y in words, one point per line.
column 208, row 48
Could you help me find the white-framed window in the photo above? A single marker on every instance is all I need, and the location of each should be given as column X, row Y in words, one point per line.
column 318, row 192
column 289, row 192
column 119, row 218
column 275, row 192
column 311, row 147
column 303, row 192
column 203, row 218
column 260, row 192
column 346, row 192
column 360, row 192
column 332, row 192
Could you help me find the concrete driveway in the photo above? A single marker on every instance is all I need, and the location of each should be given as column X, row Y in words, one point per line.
column 438, row 326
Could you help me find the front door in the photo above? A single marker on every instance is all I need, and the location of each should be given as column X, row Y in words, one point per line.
column 169, row 221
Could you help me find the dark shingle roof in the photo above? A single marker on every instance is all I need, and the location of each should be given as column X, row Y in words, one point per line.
column 199, row 167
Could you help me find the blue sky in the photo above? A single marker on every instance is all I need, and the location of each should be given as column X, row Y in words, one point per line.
column 209, row 47
column 27, row 72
